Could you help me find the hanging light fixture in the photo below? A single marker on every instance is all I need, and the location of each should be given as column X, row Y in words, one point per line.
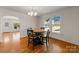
column 32, row 13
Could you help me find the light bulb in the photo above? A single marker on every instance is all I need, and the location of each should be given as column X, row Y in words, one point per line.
column 31, row 13
column 28, row 13
column 35, row 13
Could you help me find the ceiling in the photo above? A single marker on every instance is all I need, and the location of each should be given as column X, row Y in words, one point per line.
column 42, row 10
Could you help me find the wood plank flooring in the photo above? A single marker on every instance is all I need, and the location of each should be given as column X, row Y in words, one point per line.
column 11, row 43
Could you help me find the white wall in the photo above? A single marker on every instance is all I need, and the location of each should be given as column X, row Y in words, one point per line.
column 69, row 24
column 25, row 20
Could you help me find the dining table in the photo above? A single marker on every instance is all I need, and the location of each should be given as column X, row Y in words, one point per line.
column 39, row 32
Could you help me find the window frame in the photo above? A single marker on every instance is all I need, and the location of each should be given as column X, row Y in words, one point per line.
column 56, row 24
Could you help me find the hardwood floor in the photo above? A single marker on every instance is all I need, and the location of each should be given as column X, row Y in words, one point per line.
column 11, row 43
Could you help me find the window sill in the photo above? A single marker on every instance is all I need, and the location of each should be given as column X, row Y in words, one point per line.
column 56, row 32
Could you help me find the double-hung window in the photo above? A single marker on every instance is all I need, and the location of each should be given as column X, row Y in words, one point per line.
column 56, row 24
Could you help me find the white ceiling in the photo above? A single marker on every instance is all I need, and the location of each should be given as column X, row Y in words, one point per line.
column 42, row 10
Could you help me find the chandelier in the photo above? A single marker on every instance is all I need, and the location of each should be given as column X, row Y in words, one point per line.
column 32, row 13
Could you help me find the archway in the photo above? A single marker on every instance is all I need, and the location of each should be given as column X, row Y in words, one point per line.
column 10, row 24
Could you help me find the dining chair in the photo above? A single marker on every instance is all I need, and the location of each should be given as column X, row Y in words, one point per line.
column 42, row 28
column 32, row 38
column 45, row 37
column 30, row 35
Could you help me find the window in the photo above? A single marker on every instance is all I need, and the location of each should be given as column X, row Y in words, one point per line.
column 56, row 24
column 47, row 24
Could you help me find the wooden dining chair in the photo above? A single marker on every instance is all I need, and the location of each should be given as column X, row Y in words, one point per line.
column 45, row 38
column 32, row 38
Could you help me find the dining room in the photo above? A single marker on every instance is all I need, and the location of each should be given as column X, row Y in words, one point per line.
column 39, row 29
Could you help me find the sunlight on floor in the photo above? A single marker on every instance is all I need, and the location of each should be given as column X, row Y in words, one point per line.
column 16, row 37
column 56, row 48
